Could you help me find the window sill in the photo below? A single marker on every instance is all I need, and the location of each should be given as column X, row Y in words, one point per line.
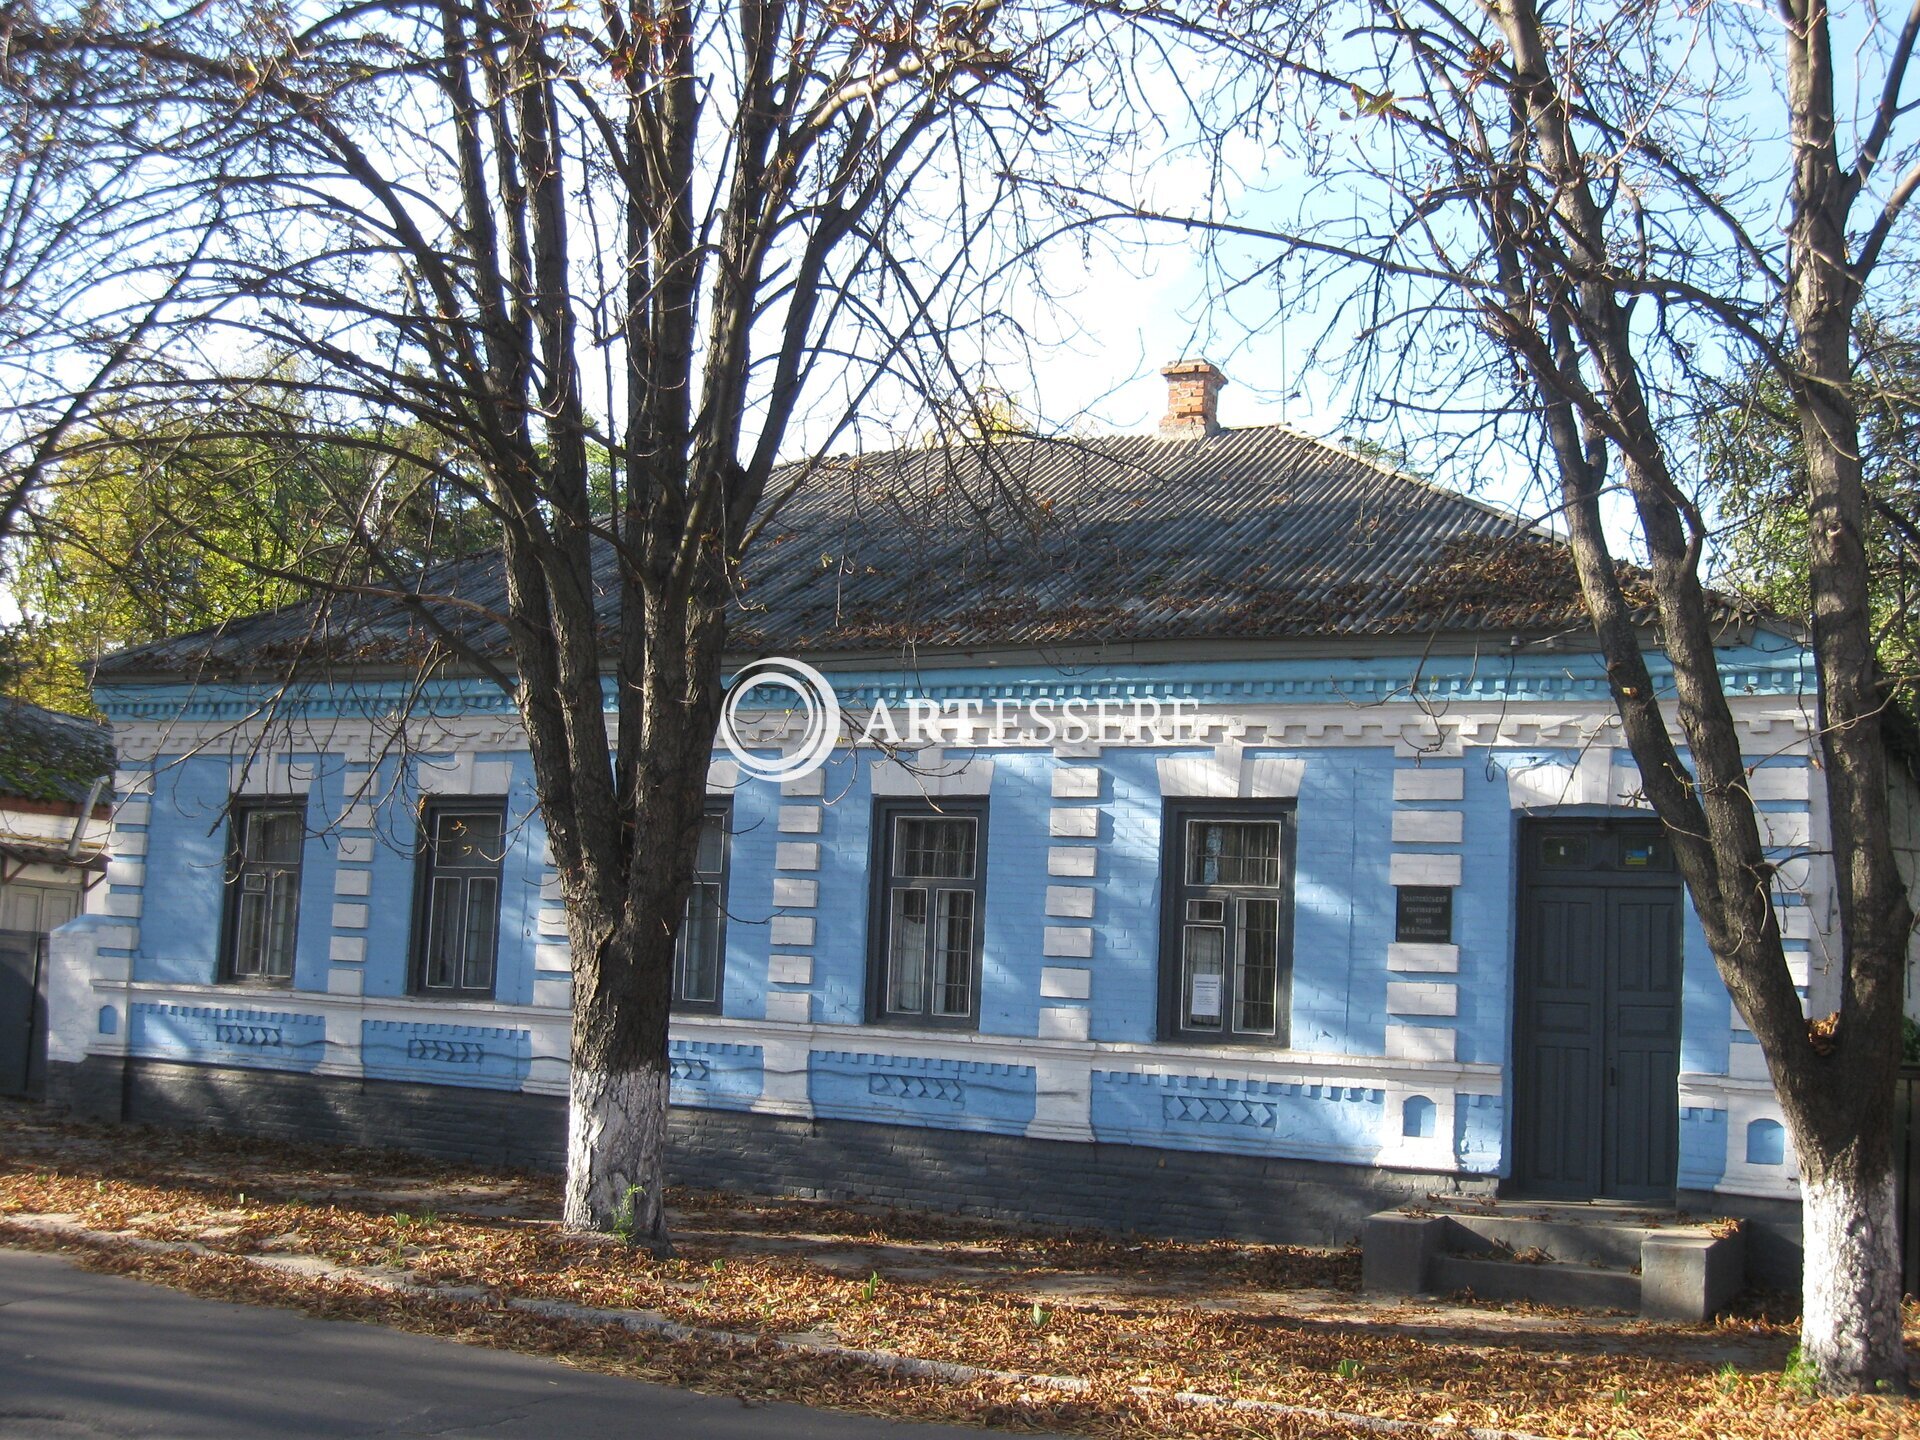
column 922, row 1024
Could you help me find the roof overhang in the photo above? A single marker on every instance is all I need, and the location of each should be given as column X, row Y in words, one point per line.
column 19, row 854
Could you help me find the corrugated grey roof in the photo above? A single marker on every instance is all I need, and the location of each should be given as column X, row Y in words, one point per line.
column 50, row 757
column 1251, row 533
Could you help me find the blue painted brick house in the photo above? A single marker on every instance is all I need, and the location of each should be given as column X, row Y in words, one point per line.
column 1270, row 851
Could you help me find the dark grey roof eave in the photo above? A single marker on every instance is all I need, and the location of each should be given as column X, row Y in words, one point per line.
column 1144, row 652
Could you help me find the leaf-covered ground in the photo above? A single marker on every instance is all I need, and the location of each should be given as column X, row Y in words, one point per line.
column 1140, row 1321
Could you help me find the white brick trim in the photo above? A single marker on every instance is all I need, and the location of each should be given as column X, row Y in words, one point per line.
column 1425, row 784
column 1781, row 782
column 1785, row 830
column 790, row 969
column 1063, row 1097
column 796, row 855
column 1437, row 959
column 800, row 819
column 795, row 894
column 814, row 782
column 933, row 778
column 793, row 1007
column 1414, row 997
column 1073, row 823
column 1074, row 902
column 1424, row 870
column 1073, row 861
column 1076, row 782
column 790, row 930
column 1061, row 1023
column 1428, row 827
column 1063, row 982
column 1204, row 776
column 1419, row 1042
column 1271, row 777
column 1073, row 942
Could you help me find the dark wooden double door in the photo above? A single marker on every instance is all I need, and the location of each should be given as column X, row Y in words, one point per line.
column 1597, row 1038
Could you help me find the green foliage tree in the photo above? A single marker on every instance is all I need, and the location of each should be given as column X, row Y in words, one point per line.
column 1757, row 469
column 164, row 523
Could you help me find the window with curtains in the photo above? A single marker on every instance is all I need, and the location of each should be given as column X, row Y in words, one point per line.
column 457, row 928
column 1227, row 952
column 263, row 890
column 699, row 960
column 929, row 894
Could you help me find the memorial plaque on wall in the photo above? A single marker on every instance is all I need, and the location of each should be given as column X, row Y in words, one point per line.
column 1424, row 915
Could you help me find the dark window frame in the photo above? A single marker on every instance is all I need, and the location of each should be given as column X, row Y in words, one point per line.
column 1175, row 891
column 240, row 810
column 423, row 877
column 886, row 815
column 723, row 811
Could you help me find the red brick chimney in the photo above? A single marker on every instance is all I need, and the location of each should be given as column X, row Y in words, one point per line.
column 1193, row 390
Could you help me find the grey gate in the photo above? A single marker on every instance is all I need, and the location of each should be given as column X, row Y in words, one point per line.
column 23, row 1014
column 1597, row 1032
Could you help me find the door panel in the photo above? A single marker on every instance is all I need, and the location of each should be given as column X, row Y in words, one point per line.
column 1597, row 1044
column 1643, row 1003
column 1562, row 1076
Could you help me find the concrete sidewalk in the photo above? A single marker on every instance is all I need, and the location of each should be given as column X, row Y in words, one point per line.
column 99, row 1355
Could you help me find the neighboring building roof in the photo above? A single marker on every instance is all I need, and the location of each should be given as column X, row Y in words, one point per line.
column 50, row 758
column 1255, row 533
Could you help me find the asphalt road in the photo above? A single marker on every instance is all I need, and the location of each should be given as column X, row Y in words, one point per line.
column 100, row 1355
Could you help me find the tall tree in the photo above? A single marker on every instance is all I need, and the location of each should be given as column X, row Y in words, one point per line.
column 1757, row 477
column 1570, row 230
column 731, row 224
column 100, row 229
column 156, row 522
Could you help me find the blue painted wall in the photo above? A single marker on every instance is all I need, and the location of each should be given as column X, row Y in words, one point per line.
column 1343, row 918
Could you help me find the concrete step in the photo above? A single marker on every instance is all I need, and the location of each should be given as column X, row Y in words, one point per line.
column 1580, row 1287
column 1566, row 1241
column 1605, row 1257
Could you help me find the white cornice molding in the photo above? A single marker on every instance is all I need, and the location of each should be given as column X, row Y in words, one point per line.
column 1770, row 725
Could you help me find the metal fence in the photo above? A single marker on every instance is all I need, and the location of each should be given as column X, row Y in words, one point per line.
column 23, row 1012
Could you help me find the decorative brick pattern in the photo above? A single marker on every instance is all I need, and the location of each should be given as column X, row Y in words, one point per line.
column 1429, row 783
column 796, row 855
column 1406, row 997
column 1428, row 827
column 1424, row 870
column 1073, row 902
column 1073, row 861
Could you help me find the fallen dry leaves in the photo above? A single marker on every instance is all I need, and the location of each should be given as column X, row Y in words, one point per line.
column 755, row 1268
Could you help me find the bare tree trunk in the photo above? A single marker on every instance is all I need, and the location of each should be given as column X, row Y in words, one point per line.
column 1850, row 1300
column 1842, row 1122
column 617, row 1131
column 623, row 985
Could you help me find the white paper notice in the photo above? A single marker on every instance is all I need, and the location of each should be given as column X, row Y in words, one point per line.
column 1204, row 1001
